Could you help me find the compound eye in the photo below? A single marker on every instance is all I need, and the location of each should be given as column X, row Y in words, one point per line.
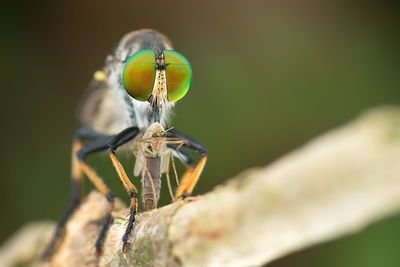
column 179, row 75
column 139, row 74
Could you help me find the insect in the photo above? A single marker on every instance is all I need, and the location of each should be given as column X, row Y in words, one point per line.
column 128, row 104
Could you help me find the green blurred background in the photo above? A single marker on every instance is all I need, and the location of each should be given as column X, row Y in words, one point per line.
column 268, row 77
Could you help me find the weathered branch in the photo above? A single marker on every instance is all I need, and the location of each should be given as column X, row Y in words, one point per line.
column 335, row 185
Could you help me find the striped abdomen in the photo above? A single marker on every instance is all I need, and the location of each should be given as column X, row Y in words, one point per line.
column 151, row 182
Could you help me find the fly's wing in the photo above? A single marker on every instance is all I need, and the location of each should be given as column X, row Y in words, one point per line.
column 100, row 107
column 90, row 101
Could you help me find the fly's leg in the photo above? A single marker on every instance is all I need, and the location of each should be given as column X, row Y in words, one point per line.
column 100, row 144
column 76, row 192
column 130, row 188
column 192, row 174
column 132, row 191
column 74, row 203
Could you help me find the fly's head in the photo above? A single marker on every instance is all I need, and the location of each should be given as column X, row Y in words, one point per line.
column 154, row 79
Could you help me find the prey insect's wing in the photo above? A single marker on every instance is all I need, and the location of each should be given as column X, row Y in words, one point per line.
column 165, row 161
column 138, row 165
column 140, row 161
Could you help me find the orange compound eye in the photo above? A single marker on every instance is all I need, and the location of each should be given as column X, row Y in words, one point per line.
column 179, row 75
column 139, row 74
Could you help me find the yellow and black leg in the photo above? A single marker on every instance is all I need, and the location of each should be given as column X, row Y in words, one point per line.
column 129, row 187
column 110, row 143
column 102, row 187
column 74, row 203
column 101, row 142
column 76, row 193
column 183, row 155
column 192, row 174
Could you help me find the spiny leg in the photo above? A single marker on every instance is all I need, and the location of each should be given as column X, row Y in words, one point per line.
column 132, row 191
column 129, row 187
column 99, row 144
column 192, row 174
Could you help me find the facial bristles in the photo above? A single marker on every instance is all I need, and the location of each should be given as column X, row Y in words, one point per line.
column 159, row 94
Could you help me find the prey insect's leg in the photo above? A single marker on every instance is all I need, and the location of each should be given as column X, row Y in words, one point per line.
column 182, row 154
column 130, row 188
column 192, row 174
column 76, row 188
column 167, row 159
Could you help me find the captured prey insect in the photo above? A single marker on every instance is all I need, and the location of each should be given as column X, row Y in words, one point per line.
column 128, row 103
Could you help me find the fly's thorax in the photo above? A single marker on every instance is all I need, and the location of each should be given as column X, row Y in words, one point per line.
column 143, row 39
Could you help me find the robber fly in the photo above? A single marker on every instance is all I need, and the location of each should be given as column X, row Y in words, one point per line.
column 128, row 103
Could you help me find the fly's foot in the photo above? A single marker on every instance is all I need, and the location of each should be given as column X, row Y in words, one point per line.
column 48, row 253
column 125, row 247
column 99, row 249
column 129, row 227
column 100, row 240
column 60, row 229
column 182, row 197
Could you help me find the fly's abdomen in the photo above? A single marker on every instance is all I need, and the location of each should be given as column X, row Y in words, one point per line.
column 151, row 182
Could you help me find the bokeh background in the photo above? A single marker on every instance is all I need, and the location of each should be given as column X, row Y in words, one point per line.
column 268, row 77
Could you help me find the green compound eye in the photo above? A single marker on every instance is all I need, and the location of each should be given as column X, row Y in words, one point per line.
column 139, row 74
column 179, row 75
